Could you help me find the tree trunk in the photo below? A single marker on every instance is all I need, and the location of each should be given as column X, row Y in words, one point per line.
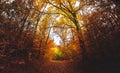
column 82, row 45
column 81, row 40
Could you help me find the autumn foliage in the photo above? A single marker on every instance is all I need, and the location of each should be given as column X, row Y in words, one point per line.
column 60, row 29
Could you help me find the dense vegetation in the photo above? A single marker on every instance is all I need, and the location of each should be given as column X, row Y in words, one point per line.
column 87, row 30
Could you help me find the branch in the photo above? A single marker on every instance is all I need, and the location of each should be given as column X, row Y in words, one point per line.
column 61, row 8
column 70, row 5
column 59, row 27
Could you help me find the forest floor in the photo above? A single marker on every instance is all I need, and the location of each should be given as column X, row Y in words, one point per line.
column 38, row 66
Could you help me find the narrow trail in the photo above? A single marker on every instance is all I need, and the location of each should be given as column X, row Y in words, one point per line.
column 59, row 67
column 38, row 66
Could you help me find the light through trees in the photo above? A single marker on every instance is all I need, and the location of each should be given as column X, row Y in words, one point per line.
column 73, row 28
column 55, row 53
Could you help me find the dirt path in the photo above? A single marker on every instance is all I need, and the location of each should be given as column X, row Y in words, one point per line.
column 61, row 67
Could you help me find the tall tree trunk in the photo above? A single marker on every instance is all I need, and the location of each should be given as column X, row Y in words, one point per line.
column 82, row 45
column 81, row 40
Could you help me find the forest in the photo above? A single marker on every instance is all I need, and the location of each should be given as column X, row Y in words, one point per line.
column 86, row 31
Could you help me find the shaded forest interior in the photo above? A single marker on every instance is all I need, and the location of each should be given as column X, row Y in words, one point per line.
column 74, row 30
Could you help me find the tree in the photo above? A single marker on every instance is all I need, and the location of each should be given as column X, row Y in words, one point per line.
column 77, row 14
column 70, row 11
column 101, row 26
column 19, row 20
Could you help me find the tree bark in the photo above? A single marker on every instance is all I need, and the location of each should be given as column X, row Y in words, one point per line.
column 81, row 40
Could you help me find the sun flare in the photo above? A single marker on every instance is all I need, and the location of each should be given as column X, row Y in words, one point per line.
column 54, row 53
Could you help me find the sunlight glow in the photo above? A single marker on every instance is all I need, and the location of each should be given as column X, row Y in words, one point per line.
column 8, row 1
column 55, row 37
column 55, row 50
column 88, row 10
column 58, row 18
column 77, row 3
column 56, row 53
